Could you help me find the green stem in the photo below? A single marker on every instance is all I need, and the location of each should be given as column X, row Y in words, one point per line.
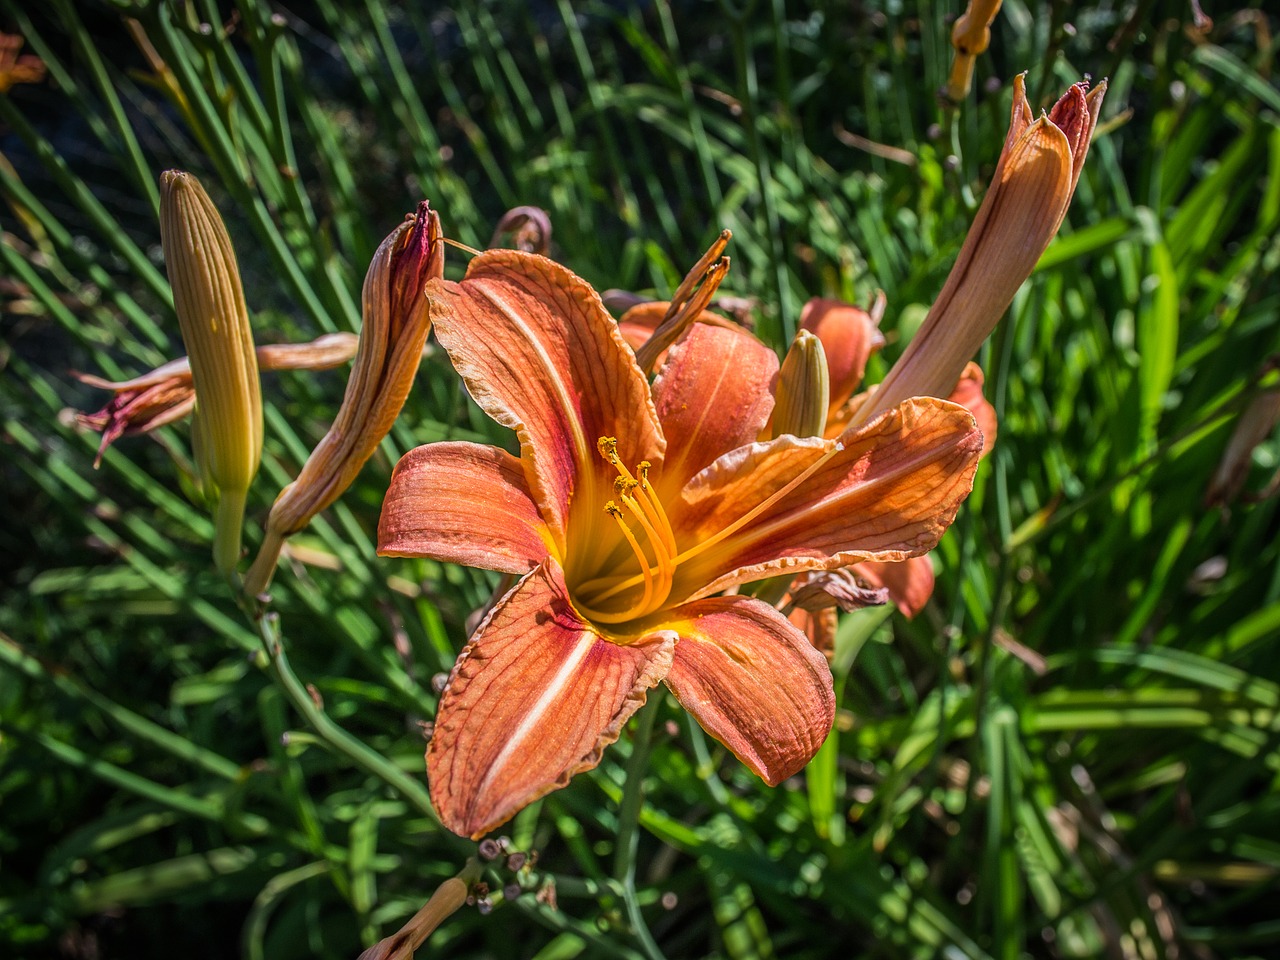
column 624, row 862
column 333, row 736
column 228, row 518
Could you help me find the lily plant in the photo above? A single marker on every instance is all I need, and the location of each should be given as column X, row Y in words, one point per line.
column 636, row 510
column 630, row 511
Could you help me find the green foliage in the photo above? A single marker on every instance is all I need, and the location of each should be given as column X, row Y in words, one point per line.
column 1073, row 752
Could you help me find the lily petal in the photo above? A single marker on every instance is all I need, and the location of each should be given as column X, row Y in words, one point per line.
column 712, row 396
column 909, row 582
column 885, row 491
column 539, row 353
column 819, row 626
column 532, row 700
column 462, row 503
column 849, row 335
column 754, row 682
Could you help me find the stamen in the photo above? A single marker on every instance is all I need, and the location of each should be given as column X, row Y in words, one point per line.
column 634, row 610
column 734, row 527
column 763, row 505
column 657, row 575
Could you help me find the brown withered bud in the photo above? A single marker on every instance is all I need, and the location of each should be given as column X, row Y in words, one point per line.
column 835, row 588
column 528, row 227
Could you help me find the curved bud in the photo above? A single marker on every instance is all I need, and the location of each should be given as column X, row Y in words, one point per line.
column 396, row 324
column 209, row 302
column 1024, row 206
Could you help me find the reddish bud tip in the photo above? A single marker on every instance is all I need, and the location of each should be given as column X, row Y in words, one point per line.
column 1071, row 114
column 419, row 258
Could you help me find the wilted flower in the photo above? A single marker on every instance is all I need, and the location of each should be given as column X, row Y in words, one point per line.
column 1253, row 427
column 209, row 302
column 166, row 394
column 629, row 508
column 528, row 227
column 1024, row 206
column 15, row 68
column 396, row 324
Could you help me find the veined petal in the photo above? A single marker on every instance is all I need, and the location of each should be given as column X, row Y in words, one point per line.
column 909, row 582
column 462, row 503
column 712, row 396
column 539, row 353
column 532, row 700
column 886, row 491
column 754, row 682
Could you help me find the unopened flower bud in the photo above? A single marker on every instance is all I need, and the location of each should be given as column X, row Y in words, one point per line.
column 849, row 335
column 803, row 389
column 209, row 302
column 969, row 37
column 1024, row 206
column 396, row 324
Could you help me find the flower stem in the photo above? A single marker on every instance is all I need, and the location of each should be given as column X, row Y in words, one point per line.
column 332, row 735
column 624, row 861
column 228, row 518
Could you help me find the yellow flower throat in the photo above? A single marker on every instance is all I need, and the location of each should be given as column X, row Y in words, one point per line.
column 636, row 502
column 646, row 530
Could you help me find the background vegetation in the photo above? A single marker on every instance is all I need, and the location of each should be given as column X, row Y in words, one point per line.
column 1073, row 752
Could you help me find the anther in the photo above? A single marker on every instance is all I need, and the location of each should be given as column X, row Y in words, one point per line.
column 608, row 447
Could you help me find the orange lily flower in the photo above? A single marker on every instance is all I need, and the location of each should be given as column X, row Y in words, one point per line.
column 629, row 508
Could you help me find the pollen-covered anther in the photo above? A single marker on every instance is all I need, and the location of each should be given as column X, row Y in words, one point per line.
column 608, row 447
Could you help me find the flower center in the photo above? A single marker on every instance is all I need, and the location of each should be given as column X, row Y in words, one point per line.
column 647, row 533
